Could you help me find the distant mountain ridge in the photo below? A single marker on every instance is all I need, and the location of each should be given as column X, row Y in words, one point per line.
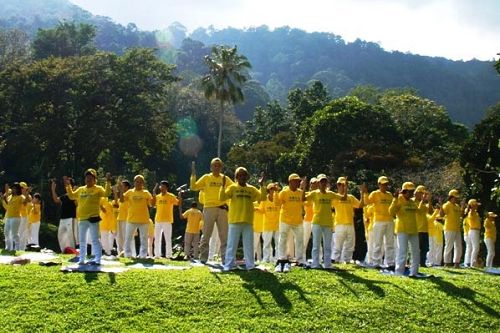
column 285, row 57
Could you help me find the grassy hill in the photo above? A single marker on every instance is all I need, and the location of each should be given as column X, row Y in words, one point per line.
column 36, row 298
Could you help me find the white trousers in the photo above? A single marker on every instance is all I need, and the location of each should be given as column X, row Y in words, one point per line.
column 121, row 229
column 143, row 236
column 214, row 244
column 307, row 237
column 452, row 242
column 34, row 232
column 403, row 240
column 235, row 231
column 344, row 243
column 65, row 234
column 23, row 233
column 321, row 233
column 468, row 250
column 474, row 242
column 435, row 254
column 257, row 246
column 11, row 233
column 163, row 229
column 268, row 249
column 298, row 233
column 107, row 240
column 490, row 248
column 383, row 234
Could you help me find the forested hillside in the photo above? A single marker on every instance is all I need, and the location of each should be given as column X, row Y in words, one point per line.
column 285, row 58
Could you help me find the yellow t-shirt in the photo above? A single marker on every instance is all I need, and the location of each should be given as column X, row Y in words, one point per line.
column 165, row 207
column 271, row 211
column 194, row 220
column 309, row 211
column 381, row 202
column 322, row 205
column 430, row 222
column 291, row 206
column 15, row 204
column 88, row 199
column 473, row 220
column 344, row 210
column 452, row 217
column 210, row 185
column 422, row 223
column 108, row 221
column 241, row 209
column 438, row 232
column 122, row 211
column 25, row 210
column 258, row 218
column 35, row 213
column 490, row 229
column 139, row 202
column 368, row 212
column 406, row 212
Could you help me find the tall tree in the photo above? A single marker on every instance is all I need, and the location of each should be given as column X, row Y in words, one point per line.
column 224, row 80
column 65, row 40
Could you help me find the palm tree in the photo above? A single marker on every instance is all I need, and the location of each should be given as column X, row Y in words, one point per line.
column 224, row 80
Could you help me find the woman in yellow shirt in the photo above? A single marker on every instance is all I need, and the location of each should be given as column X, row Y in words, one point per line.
column 452, row 213
column 270, row 228
column 240, row 217
column 474, row 225
column 308, row 216
column 107, row 225
column 13, row 201
column 490, row 236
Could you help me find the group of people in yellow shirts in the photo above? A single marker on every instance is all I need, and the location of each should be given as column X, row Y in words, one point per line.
column 396, row 225
column 22, row 216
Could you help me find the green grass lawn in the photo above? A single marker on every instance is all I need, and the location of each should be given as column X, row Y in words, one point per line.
column 35, row 298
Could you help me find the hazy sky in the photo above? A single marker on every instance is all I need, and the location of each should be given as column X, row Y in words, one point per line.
column 455, row 29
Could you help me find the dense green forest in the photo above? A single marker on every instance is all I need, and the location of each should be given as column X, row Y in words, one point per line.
column 284, row 58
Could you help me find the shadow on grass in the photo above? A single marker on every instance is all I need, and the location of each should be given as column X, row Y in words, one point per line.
column 464, row 295
column 268, row 282
column 372, row 285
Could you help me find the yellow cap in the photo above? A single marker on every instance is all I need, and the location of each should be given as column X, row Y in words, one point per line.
column 473, row 202
column 421, row 189
column 321, row 176
column 454, row 193
column 341, row 180
column 274, row 186
column 313, row 180
column 383, row 180
column 408, row 186
column 293, row 176
column 491, row 214
column 91, row 172
column 240, row 169
column 23, row 185
column 137, row 177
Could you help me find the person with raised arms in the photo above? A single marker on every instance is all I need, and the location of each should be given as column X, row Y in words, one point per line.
column 139, row 200
column 89, row 199
column 164, row 218
column 13, row 201
column 214, row 210
column 66, row 235
column 452, row 212
column 406, row 229
column 241, row 211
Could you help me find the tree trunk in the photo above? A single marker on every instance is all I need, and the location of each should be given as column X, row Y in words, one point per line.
column 219, row 141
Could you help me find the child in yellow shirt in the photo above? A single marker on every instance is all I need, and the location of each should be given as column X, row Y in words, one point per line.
column 194, row 219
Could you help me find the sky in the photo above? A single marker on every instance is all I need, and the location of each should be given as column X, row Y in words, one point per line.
column 454, row 29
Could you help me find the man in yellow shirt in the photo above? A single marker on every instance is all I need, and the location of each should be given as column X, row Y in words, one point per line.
column 322, row 223
column 240, row 218
column 291, row 200
column 89, row 199
column 490, row 236
column 406, row 229
column 139, row 200
column 344, row 222
column 165, row 202
column 383, row 224
column 214, row 210
column 452, row 213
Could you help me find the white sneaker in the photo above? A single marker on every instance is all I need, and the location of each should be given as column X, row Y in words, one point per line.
column 286, row 268
column 278, row 268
